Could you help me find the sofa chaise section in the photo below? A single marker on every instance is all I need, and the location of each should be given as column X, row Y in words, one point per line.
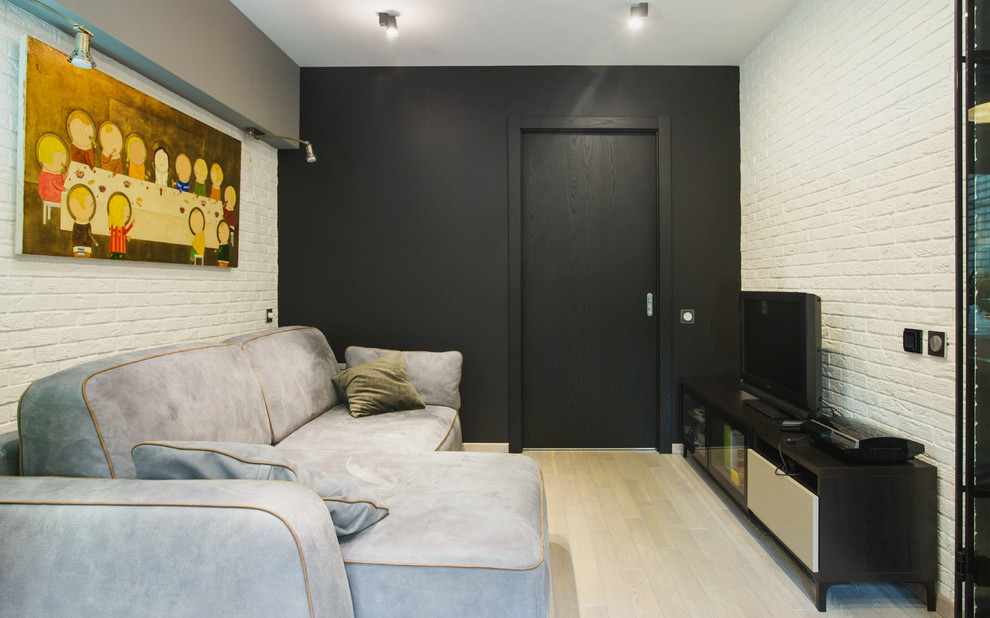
column 466, row 535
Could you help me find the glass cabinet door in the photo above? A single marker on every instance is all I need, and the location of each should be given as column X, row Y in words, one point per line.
column 695, row 437
column 727, row 456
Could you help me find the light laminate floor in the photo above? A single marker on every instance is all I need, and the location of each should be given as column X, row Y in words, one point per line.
column 636, row 533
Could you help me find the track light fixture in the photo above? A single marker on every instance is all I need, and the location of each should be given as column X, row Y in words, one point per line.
column 637, row 13
column 310, row 157
column 80, row 56
column 387, row 20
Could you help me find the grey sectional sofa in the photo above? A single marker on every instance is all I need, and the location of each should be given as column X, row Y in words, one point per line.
column 451, row 534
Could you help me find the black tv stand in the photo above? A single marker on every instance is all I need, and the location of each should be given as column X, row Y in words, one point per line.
column 766, row 409
column 841, row 521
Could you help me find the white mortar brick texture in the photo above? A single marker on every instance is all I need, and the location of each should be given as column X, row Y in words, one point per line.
column 57, row 312
column 848, row 192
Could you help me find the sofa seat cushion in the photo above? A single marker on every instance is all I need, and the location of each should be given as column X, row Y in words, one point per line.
column 352, row 507
column 406, row 431
column 466, row 535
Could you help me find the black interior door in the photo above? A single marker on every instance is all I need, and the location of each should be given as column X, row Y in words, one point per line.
column 588, row 250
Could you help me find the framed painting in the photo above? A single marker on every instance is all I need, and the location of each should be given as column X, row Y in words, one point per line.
column 108, row 172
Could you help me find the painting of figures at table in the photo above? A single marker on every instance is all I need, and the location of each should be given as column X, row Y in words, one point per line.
column 111, row 173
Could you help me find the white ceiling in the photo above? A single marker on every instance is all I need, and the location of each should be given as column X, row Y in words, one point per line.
column 316, row 33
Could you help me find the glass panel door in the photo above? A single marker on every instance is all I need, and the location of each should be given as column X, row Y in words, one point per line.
column 727, row 456
column 973, row 180
column 695, row 436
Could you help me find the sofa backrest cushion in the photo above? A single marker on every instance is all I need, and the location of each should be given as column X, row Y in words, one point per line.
column 436, row 375
column 83, row 421
column 294, row 365
column 352, row 507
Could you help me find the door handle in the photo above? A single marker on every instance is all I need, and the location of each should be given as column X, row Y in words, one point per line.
column 649, row 304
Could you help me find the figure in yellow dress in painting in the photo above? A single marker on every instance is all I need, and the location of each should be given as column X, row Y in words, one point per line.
column 216, row 179
column 120, row 217
column 197, row 225
column 137, row 156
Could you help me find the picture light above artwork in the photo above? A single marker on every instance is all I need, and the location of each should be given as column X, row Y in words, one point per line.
column 256, row 134
column 80, row 56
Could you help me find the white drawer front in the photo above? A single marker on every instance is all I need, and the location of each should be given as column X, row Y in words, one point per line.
column 789, row 510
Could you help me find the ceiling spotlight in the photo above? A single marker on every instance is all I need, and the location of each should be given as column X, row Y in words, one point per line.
column 637, row 13
column 387, row 20
column 310, row 157
column 80, row 56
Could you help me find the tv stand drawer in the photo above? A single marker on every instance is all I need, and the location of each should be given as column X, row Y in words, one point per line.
column 784, row 506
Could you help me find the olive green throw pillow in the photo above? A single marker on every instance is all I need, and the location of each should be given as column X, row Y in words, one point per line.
column 378, row 386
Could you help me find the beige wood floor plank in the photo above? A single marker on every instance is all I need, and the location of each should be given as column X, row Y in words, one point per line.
column 664, row 582
column 587, row 493
column 617, row 596
column 586, row 576
column 617, row 483
column 618, row 532
column 593, row 611
column 598, row 478
column 640, row 590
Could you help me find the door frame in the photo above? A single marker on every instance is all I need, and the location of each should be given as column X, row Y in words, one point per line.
column 660, row 126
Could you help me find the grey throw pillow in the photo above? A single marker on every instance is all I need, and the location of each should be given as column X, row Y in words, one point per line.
column 352, row 508
column 378, row 386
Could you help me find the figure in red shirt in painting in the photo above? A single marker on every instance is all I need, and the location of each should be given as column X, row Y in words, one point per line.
column 80, row 128
column 121, row 220
column 53, row 156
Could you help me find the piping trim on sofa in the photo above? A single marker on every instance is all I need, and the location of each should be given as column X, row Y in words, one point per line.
column 295, row 537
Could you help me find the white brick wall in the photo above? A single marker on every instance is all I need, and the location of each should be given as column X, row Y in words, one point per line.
column 847, row 192
column 56, row 312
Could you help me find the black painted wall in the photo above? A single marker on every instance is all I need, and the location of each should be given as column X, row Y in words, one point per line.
column 397, row 236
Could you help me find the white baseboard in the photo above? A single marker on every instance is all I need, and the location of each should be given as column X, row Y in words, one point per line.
column 487, row 447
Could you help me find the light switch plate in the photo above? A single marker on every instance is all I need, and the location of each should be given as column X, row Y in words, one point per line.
column 936, row 343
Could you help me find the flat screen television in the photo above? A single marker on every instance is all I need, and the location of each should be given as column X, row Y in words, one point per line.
column 780, row 335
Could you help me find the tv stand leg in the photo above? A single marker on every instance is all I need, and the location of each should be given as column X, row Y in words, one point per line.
column 932, row 592
column 821, row 595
